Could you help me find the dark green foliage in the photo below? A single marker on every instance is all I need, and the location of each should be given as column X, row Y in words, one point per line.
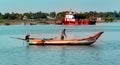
column 61, row 15
column 53, row 14
column 108, row 19
column 107, row 16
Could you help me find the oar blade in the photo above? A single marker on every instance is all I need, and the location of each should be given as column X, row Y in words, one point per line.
column 17, row 38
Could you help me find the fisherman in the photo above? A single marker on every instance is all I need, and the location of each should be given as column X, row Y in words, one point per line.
column 63, row 34
column 27, row 37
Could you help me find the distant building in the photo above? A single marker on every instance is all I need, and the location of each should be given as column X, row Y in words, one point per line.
column 99, row 19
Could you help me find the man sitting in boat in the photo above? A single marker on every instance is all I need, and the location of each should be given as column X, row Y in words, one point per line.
column 27, row 37
column 63, row 34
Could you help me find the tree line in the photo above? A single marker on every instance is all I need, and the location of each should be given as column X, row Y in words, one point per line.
column 60, row 15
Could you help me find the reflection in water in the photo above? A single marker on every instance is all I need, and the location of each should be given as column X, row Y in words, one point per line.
column 64, row 54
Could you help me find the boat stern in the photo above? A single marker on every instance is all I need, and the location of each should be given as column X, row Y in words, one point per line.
column 35, row 42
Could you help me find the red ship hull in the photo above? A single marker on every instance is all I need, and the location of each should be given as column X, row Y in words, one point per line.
column 80, row 22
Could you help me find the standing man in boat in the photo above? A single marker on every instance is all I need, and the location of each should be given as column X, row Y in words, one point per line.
column 63, row 34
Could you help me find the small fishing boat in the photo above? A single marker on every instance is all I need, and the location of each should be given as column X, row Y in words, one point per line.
column 82, row 41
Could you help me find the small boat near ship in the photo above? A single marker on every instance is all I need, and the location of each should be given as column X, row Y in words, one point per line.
column 82, row 41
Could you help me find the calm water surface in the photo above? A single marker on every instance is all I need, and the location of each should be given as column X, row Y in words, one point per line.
column 105, row 51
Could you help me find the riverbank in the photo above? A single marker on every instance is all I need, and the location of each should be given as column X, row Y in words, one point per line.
column 36, row 22
column 23, row 22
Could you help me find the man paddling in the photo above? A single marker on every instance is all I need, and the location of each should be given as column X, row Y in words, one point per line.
column 63, row 34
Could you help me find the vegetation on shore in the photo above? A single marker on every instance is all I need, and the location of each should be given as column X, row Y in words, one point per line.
column 41, row 17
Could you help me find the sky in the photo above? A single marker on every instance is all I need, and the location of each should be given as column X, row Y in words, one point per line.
column 22, row 6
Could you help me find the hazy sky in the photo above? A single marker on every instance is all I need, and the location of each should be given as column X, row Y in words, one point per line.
column 21, row 6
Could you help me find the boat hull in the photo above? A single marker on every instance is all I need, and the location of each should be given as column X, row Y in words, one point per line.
column 60, row 42
column 81, row 22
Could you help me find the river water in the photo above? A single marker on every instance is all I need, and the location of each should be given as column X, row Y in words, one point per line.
column 105, row 51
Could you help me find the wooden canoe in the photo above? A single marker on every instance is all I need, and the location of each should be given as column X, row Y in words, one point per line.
column 83, row 41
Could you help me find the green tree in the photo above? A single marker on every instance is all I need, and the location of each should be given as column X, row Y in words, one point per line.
column 1, row 16
column 53, row 14
column 61, row 15
column 108, row 19
column 6, row 16
column 14, row 16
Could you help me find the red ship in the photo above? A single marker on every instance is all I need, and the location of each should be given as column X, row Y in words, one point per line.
column 71, row 18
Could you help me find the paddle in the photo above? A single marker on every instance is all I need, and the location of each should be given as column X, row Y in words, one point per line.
column 22, row 38
column 17, row 38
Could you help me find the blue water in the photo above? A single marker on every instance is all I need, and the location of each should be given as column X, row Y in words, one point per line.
column 105, row 51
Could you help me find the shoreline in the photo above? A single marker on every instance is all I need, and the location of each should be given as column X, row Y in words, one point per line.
column 22, row 22
column 36, row 22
